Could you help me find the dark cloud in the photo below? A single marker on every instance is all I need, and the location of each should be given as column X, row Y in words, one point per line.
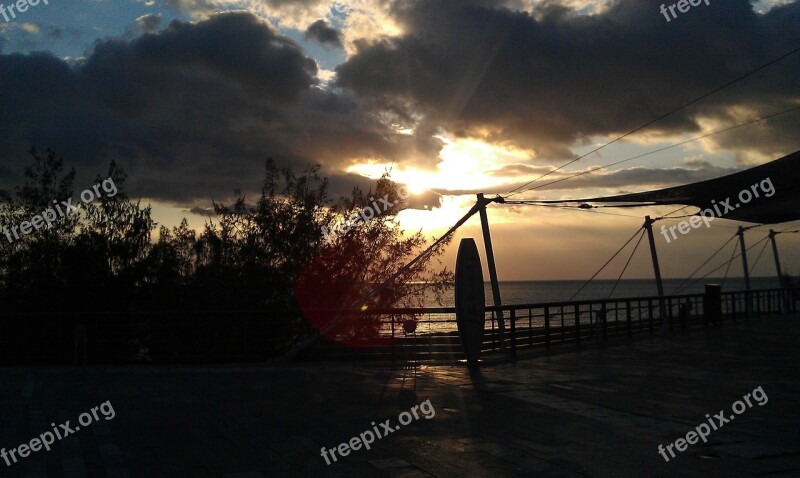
column 191, row 112
column 637, row 178
column 322, row 32
column 548, row 78
column 202, row 211
column 426, row 200
column 149, row 23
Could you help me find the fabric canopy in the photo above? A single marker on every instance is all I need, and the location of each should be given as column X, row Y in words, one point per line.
column 782, row 205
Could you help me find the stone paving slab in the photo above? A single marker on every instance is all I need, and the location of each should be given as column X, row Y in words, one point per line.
column 599, row 412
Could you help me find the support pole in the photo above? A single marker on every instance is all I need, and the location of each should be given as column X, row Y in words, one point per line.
column 487, row 242
column 787, row 299
column 648, row 224
column 772, row 235
column 744, row 258
column 748, row 304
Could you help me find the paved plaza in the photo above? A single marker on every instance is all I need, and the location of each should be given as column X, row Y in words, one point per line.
column 599, row 412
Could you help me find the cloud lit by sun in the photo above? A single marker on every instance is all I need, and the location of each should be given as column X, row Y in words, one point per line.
column 464, row 164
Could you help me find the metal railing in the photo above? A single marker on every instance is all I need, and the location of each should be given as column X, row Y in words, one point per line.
column 555, row 324
column 397, row 336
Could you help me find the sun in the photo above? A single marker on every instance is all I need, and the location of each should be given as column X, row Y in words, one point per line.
column 464, row 164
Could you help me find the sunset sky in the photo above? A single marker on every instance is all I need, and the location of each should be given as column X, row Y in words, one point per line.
column 455, row 96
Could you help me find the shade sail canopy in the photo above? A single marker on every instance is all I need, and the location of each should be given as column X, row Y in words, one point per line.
column 781, row 176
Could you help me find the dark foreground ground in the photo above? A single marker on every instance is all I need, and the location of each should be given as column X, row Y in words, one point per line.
column 597, row 412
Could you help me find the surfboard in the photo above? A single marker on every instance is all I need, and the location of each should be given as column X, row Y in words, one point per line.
column 470, row 299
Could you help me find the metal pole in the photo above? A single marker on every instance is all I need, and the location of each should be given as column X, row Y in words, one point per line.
column 487, row 242
column 784, row 293
column 772, row 235
column 744, row 258
column 748, row 303
column 648, row 224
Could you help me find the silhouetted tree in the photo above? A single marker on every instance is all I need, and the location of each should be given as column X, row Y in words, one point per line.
column 34, row 263
column 351, row 266
column 268, row 255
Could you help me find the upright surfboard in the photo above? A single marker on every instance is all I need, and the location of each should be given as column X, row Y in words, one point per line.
column 470, row 299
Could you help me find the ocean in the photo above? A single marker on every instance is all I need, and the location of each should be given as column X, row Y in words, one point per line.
column 534, row 292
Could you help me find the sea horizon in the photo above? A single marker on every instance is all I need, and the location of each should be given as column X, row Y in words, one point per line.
column 562, row 290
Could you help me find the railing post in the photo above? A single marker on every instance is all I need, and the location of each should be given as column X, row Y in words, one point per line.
column 650, row 314
column 577, row 325
column 628, row 314
column 761, row 300
column 494, row 335
column 393, row 340
column 756, row 304
column 530, row 327
column 513, row 319
column 547, row 328
column 669, row 313
column 771, row 300
column 430, row 340
column 604, row 318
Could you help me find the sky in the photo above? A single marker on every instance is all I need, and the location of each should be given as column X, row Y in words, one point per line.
column 456, row 97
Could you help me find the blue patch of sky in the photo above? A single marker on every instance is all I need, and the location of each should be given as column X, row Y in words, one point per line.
column 665, row 159
column 70, row 29
column 327, row 56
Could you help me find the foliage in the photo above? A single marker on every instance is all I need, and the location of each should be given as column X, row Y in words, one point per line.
column 335, row 287
column 259, row 256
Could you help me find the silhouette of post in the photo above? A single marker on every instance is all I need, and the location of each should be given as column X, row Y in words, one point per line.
column 747, row 301
column 648, row 224
column 487, row 242
column 772, row 235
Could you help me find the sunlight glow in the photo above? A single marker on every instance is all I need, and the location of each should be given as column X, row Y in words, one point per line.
column 434, row 222
column 464, row 164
